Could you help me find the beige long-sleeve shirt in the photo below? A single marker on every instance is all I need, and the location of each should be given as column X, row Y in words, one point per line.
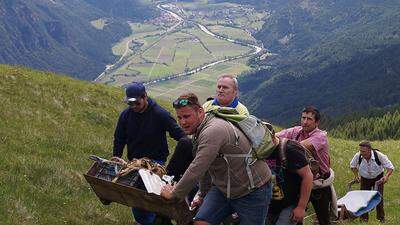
column 215, row 136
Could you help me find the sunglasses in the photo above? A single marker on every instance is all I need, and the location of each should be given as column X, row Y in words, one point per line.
column 181, row 102
column 131, row 103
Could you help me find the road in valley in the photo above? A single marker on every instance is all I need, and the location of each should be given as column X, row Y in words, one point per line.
column 256, row 49
column 165, row 8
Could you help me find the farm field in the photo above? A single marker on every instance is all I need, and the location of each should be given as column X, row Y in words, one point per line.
column 154, row 54
column 231, row 32
column 202, row 83
column 227, row 14
column 158, row 57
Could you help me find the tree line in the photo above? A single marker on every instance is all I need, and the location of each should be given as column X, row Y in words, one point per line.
column 372, row 128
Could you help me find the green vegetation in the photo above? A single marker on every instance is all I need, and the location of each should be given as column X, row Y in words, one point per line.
column 99, row 23
column 50, row 124
column 232, row 32
column 162, row 56
column 371, row 127
column 134, row 10
column 341, row 152
column 49, row 127
column 222, row 13
column 137, row 31
column 155, row 54
column 341, row 57
column 202, row 83
column 64, row 38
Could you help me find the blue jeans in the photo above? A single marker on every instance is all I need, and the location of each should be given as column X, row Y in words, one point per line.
column 142, row 216
column 251, row 208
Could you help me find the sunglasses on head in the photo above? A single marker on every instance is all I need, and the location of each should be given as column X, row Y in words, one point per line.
column 181, row 102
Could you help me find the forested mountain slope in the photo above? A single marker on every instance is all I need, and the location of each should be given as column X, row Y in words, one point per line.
column 340, row 56
column 58, row 36
column 374, row 124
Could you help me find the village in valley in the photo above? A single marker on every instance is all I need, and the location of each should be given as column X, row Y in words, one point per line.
column 186, row 46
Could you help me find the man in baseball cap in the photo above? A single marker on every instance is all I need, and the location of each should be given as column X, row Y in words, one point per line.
column 142, row 127
column 134, row 91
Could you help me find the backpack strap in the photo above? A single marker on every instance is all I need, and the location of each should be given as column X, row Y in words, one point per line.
column 228, row 186
column 377, row 160
column 247, row 158
column 234, row 131
column 282, row 152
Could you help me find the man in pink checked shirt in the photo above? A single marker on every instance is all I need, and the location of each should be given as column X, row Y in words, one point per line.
column 315, row 140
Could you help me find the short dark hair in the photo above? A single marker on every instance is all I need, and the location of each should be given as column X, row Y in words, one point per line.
column 314, row 111
column 365, row 143
column 191, row 98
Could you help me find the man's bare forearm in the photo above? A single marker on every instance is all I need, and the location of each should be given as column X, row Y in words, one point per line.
column 388, row 173
column 306, row 186
column 355, row 171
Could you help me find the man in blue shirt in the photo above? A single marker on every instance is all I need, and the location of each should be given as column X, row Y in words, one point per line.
column 142, row 127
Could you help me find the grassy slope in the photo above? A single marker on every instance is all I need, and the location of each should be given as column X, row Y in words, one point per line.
column 51, row 124
column 342, row 152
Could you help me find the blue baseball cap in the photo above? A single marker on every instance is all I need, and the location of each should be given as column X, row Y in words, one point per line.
column 134, row 91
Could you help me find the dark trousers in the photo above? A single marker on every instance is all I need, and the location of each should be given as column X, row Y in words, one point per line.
column 369, row 184
column 321, row 200
column 144, row 217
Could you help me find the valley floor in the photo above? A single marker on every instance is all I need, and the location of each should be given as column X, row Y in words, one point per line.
column 186, row 48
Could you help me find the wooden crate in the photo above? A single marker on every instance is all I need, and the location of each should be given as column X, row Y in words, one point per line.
column 108, row 191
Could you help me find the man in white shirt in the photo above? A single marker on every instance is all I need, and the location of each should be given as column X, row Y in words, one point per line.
column 368, row 167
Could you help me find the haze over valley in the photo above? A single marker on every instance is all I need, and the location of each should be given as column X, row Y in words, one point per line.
column 344, row 56
column 187, row 47
column 64, row 65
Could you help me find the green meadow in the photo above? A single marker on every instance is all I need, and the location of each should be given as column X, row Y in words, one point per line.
column 50, row 125
column 202, row 83
column 231, row 32
column 161, row 56
column 224, row 13
column 154, row 53
column 99, row 23
column 342, row 151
